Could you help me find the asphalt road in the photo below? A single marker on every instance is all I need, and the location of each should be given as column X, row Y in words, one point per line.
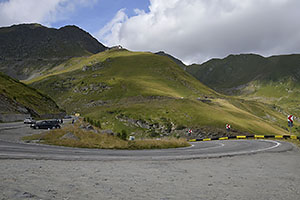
column 12, row 125
column 213, row 149
column 12, row 148
column 14, row 131
column 232, row 170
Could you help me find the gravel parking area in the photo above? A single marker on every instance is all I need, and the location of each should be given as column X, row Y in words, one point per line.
column 260, row 176
column 270, row 175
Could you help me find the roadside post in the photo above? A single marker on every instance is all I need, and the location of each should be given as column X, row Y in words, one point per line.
column 190, row 132
column 227, row 126
column 77, row 115
column 290, row 122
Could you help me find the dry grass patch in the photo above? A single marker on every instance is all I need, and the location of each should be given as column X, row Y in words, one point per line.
column 77, row 137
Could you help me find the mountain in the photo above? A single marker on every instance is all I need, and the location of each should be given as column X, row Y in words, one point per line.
column 28, row 49
column 274, row 80
column 176, row 60
column 18, row 98
column 228, row 74
column 144, row 93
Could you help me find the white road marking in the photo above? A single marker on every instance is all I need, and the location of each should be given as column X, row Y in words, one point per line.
column 192, row 146
column 269, row 148
column 219, row 145
column 259, row 150
column 251, row 151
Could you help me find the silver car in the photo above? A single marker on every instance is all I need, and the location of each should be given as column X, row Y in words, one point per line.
column 29, row 120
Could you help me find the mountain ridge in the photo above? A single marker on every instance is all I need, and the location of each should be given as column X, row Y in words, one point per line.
column 236, row 70
column 26, row 49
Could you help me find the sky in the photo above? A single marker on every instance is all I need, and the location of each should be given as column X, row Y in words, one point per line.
column 191, row 30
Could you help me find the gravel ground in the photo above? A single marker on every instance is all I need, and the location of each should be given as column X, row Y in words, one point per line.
column 9, row 133
column 261, row 176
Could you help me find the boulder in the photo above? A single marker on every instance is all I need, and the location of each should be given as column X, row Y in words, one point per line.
column 110, row 132
column 84, row 68
column 89, row 127
column 70, row 135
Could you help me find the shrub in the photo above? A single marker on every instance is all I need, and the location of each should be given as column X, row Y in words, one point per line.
column 124, row 135
column 180, row 127
column 92, row 122
column 169, row 127
column 118, row 135
column 98, row 124
column 154, row 134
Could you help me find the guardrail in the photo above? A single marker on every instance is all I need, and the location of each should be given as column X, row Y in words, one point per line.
column 293, row 137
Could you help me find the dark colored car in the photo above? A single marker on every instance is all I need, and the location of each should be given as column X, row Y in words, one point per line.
column 48, row 124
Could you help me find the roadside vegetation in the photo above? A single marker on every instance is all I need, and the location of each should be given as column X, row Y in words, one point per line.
column 76, row 136
column 296, row 142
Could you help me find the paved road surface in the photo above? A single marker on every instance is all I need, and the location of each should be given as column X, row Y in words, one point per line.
column 262, row 170
column 11, row 147
column 12, row 150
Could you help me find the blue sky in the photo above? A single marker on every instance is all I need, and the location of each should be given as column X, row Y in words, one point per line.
column 89, row 15
column 191, row 30
column 97, row 15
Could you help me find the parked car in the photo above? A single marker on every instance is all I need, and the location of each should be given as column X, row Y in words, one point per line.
column 47, row 124
column 29, row 120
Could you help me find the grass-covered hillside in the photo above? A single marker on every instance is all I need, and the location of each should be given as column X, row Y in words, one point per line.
column 18, row 98
column 274, row 80
column 28, row 49
column 150, row 94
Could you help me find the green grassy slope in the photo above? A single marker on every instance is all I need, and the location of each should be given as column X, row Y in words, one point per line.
column 273, row 80
column 16, row 97
column 145, row 93
column 232, row 71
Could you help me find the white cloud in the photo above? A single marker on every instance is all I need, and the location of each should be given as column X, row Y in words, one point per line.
column 196, row 30
column 37, row 11
column 111, row 30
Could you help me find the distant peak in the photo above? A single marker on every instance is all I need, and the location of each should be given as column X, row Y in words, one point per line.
column 70, row 27
column 29, row 25
column 243, row 54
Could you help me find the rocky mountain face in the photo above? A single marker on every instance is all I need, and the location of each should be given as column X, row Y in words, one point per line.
column 28, row 49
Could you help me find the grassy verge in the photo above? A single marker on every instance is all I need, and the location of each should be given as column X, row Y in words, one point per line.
column 296, row 142
column 89, row 139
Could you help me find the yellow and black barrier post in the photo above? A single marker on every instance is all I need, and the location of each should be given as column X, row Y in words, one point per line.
column 293, row 137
